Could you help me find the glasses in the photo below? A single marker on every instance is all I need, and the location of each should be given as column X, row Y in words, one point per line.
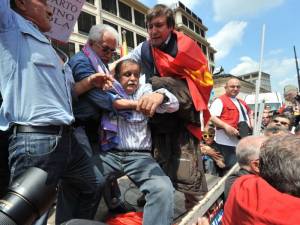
column 208, row 135
column 235, row 86
column 281, row 122
column 106, row 49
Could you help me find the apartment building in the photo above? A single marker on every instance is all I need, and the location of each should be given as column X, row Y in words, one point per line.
column 253, row 77
column 190, row 24
column 129, row 15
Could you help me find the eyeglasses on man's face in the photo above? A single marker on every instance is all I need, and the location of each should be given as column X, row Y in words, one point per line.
column 105, row 48
column 235, row 86
column 281, row 122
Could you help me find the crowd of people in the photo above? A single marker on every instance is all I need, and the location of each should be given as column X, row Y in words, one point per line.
column 86, row 124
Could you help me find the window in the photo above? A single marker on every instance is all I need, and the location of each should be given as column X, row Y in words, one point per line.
column 204, row 50
column 129, row 38
column 68, row 48
column 185, row 21
column 125, row 11
column 139, row 19
column 80, row 47
column 211, row 56
column 111, row 24
column 85, row 22
column 197, row 29
column 91, row 2
column 181, row 5
column 191, row 25
column 202, row 33
column 140, row 38
column 110, row 6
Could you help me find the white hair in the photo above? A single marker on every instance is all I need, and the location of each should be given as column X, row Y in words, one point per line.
column 97, row 31
column 248, row 149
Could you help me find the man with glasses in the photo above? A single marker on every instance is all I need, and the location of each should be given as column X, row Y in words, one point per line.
column 213, row 159
column 226, row 112
column 281, row 120
column 247, row 153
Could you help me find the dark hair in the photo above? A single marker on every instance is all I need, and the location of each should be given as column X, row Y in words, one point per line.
column 119, row 65
column 279, row 163
column 161, row 10
column 13, row 5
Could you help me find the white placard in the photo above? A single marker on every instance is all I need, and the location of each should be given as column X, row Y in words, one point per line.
column 65, row 14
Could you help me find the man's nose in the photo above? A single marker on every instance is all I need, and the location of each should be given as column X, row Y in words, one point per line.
column 49, row 11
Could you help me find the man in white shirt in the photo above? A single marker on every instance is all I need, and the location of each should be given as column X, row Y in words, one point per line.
column 226, row 112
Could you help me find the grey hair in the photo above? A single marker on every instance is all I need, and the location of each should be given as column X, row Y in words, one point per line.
column 248, row 149
column 279, row 163
column 97, row 31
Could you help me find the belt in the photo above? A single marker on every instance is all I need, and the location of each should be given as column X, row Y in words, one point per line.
column 130, row 150
column 51, row 129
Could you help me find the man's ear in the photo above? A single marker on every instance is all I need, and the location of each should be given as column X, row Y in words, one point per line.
column 21, row 5
column 254, row 164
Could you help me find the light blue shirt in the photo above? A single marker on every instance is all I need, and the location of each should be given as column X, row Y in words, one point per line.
column 35, row 86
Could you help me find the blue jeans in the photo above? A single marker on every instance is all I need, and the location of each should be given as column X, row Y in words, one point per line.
column 66, row 163
column 147, row 175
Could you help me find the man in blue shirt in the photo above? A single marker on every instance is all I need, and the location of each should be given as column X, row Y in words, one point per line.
column 93, row 58
column 37, row 109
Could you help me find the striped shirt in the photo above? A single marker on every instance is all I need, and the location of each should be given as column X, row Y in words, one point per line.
column 135, row 133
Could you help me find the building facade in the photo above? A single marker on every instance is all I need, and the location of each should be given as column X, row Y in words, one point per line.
column 190, row 24
column 129, row 15
column 253, row 77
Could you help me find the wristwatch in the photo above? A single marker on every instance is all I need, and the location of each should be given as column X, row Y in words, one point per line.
column 165, row 99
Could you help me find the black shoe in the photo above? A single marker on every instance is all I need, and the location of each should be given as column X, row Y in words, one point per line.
column 122, row 208
column 141, row 201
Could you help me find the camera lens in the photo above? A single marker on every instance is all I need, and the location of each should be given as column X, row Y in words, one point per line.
column 28, row 198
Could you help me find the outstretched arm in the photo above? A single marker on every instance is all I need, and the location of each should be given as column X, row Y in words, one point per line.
column 125, row 104
column 97, row 80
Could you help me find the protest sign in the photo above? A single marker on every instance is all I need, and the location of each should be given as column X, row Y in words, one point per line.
column 65, row 15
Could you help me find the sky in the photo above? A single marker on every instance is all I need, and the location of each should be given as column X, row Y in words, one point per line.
column 235, row 31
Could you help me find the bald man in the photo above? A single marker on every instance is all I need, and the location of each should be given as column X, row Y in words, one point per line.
column 226, row 112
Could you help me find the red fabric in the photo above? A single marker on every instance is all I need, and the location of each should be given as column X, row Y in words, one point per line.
column 252, row 201
column 131, row 218
column 189, row 64
column 230, row 113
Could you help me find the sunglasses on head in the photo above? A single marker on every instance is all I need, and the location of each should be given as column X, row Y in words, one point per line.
column 208, row 135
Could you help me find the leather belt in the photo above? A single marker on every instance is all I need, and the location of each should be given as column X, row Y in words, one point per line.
column 130, row 150
column 40, row 129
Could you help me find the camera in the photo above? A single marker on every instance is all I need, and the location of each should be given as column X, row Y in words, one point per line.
column 27, row 198
column 297, row 98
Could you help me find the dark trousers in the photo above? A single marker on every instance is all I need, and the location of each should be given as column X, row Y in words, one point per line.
column 229, row 155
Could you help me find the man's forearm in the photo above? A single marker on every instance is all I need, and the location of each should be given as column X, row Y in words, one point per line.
column 82, row 86
column 125, row 104
column 218, row 122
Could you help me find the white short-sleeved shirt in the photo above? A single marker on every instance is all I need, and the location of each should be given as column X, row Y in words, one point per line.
column 221, row 136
